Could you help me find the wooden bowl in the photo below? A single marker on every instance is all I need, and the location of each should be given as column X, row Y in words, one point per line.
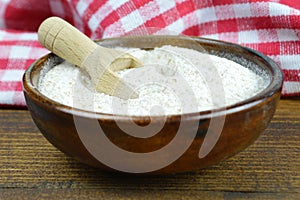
column 243, row 122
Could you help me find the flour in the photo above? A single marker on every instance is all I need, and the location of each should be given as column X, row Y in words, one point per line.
column 173, row 81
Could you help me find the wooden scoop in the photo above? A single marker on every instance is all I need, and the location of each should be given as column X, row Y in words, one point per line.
column 69, row 43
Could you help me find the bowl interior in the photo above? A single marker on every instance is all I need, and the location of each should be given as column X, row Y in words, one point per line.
column 251, row 59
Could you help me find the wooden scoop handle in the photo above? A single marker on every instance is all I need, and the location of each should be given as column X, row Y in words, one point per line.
column 69, row 43
column 65, row 40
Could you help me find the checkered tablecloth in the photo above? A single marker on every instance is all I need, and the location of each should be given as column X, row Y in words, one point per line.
column 269, row 26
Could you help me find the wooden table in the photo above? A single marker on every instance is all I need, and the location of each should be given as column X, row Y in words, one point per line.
column 31, row 168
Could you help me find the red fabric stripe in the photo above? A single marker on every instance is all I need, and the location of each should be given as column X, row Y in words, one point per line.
column 19, row 64
column 184, row 8
column 192, row 31
column 271, row 48
column 203, row 4
column 11, row 86
column 202, row 29
column 266, row 22
column 286, row 94
column 291, row 3
column 68, row 12
column 224, row 2
column 126, row 8
column 227, row 26
column 26, row 15
column 31, row 43
column 171, row 15
column 290, row 48
column 156, row 22
column 92, row 8
column 110, row 19
column 3, row 64
column 140, row 3
column 276, row 48
column 291, row 75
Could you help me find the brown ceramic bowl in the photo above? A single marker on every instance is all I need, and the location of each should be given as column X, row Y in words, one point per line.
column 76, row 132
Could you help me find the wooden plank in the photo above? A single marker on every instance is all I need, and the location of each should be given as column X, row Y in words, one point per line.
column 271, row 166
column 110, row 194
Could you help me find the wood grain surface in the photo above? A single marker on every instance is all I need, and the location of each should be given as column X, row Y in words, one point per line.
column 31, row 168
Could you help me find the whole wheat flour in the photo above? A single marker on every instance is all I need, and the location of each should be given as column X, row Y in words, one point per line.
column 174, row 80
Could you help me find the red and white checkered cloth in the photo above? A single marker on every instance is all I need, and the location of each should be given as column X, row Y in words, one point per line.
column 269, row 26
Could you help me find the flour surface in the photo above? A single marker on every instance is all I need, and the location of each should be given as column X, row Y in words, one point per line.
column 173, row 81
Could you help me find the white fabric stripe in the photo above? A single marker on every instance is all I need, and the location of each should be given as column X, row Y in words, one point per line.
column 290, row 61
column 276, row 8
column 81, row 7
column 225, row 12
column 248, row 37
column 113, row 30
column 19, row 98
column 287, row 35
column 37, row 52
column 211, row 36
column 176, row 27
column 291, row 87
column 5, row 50
column 242, row 10
column 93, row 23
column 13, row 53
column 206, row 15
column 103, row 12
column 28, row 36
column 17, row 52
column 116, row 3
column 132, row 20
column 11, row 75
column 165, row 5
column 2, row 35
column 7, row 97
column 252, row 36
column 17, row 36
column 149, row 11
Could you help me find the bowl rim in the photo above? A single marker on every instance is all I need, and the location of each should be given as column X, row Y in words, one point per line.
column 274, row 87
